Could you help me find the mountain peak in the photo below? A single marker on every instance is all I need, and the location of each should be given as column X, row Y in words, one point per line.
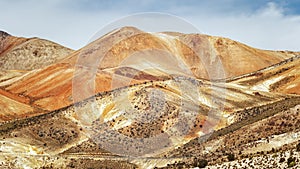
column 3, row 35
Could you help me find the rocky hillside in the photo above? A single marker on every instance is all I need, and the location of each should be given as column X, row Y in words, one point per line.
column 283, row 77
column 128, row 55
column 28, row 53
column 167, row 99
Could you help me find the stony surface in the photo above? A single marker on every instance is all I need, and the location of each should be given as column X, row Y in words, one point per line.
column 28, row 54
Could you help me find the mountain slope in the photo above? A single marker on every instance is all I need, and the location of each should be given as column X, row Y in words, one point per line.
column 197, row 52
column 283, row 78
column 239, row 59
column 128, row 56
column 29, row 53
column 178, row 117
column 147, row 95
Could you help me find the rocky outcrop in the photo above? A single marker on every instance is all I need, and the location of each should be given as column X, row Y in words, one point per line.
column 3, row 35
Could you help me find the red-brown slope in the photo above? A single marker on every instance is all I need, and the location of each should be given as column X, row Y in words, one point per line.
column 238, row 59
column 197, row 52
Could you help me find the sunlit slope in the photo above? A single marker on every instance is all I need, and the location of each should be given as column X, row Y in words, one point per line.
column 19, row 53
column 282, row 78
column 123, row 57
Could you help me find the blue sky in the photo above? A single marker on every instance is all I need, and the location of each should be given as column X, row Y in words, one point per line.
column 258, row 23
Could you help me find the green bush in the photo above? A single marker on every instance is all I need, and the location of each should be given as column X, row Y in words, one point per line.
column 230, row 157
column 201, row 163
column 291, row 162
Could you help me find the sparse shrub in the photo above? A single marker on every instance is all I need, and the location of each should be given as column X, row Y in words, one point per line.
column 298, row 147
column 273, row 150
column 201, row 163
column 291, row 162
column 281, row 160
column 230, row 157
column 290, row 159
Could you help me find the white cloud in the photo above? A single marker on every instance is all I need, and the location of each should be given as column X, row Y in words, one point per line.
column 51, row 20
column 266, row 28
column 272, row 10
column 72, row 24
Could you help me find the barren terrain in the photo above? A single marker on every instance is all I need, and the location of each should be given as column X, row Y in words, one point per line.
column 133, row 99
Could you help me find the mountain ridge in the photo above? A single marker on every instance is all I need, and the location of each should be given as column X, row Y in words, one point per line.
column 57, row 83
column 18, row 53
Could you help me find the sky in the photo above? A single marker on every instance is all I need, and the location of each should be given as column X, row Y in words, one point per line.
column 265, row 24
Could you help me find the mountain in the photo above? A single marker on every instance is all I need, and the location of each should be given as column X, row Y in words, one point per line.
column 133, row 99
column 28, row 53
column 196, row 51
column 181, row 56
column 20, row 57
